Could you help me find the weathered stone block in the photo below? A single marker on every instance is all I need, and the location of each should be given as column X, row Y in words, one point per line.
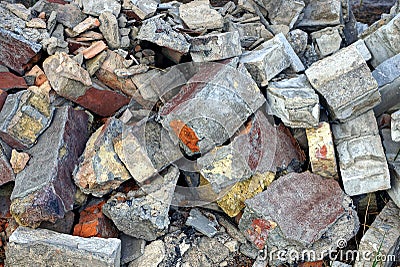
column 319, row 14
column 276, row 225
column 109, row 29
column 208, row 47
column 54, row 249
column 201, row 223
column 11, row 81
column 96, row 8
column 199, row 14
column 384, row 43
column 294, row 101
column 143, row 9
column 195, row 117
column 131, row 248
column 283, row 11
column 6, row 172
column 144, row 215
column 322, row 151
column 100, row 169
column 153, row 255
column 381, row 241
column 24, row 117
column 362, row 161
column 157, row 31
column 346, row 83
column 327, row 41
column 44, row 190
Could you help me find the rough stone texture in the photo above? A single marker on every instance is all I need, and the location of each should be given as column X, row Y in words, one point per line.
column 195, row 117
column 24, row 117
column 395, row 126
column 209, row 47
column 382, row 238
column 391, row 150
column 62, row 225
column 144, row 215
column 384, row 43
column 321, row 151
column 298, row 40
column 6, row 172
column 100, row 169
column 232, row 202
column 199, row 14
column 320, row 14
column 68, row 15
column 294, row 101
column 153, row 255
column 283, row 11
column 346, row 83
column 73, row 82
column 157, row 31
column 18, row 160
column 54, row 249
column 201, row 223
column 313, row 214
column 327, row 41
column 248, row 32
column 96, row 8
column 93, row 223
column 363, row 49
column 143, row 9
column 20, row 11
column 145, row 149
column 109, row 29
column 11, row 81
column 387, row 74
column 44, row 190
column 131, row 248
column 362, row 161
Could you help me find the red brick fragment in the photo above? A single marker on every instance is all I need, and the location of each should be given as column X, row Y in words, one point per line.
column 93, row 223
column 9, row 81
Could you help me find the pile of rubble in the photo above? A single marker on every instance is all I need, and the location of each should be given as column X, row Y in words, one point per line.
column 139, row 133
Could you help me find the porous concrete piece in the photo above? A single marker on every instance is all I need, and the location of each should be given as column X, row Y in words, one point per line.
column 96, row 8
column 44, row 190
column 55, row 249
column 381, row 241
column 387, row 74
column 143, row 9
column 294, row 101
column 109, row 29
column 322, row 151
column 100, row 169
column 276, row 226
column 327, row 41
column 319, row 14
column 201, row 223
column 362, row 160
column 154, row 254
column 199, row 14
column 144, row 214
column 157, row 31
column 209, row 47
column 6, row 171
column 195, row 117
column 384, row 43
column 395, row 126
column 24, row 117
column 346, row 83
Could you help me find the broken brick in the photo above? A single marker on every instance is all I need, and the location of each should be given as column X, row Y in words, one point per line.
column 11, row 81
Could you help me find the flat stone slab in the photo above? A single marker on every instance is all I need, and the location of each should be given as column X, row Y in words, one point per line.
column 322, row 151
column 100, row 170
column 362, row 160
column 199, row 14
column 382, row 238
column 157, row 31
column 55, row 249
column 319, row 14
column 384, row 42
column 208, row 47
column 24, row 117
column 313, row 214
column 44, row 190
column 294, row 101
column 210, row 107
column 337, row 79
column 144, row 214
column 201, row 223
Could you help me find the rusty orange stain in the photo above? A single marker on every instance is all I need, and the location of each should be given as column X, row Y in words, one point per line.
column 259, row 232
column 321, row 152
column 185, row 134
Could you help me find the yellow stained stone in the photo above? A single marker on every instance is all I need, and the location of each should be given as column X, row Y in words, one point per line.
column 233, row 202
